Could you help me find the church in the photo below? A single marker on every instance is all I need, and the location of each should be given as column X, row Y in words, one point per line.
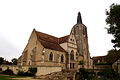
column 66, row 52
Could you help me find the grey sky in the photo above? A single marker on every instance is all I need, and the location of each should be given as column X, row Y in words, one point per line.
column 54, row 17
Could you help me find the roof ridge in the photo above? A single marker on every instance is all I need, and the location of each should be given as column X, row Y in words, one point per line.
column 48, row 41
column 46, row 34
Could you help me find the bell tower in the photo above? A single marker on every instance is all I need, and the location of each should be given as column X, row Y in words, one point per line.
column 79, row 30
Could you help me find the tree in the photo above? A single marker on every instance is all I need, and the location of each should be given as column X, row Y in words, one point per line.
column 84, row 74
column 109, row 74
column 112, row 56
column 14, row 61
column 1, row 60
column 113, row 21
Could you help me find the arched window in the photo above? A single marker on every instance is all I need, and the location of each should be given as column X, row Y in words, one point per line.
column 72, row 55
column 62, row 58
column 29, row 63
column 51, row 56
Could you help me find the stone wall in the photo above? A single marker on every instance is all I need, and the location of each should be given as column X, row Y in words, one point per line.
column 14, row 68
column 41, row 70
column 47, row 70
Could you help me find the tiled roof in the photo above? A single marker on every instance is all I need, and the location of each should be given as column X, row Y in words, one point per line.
column 50, row 42
column 63, row 39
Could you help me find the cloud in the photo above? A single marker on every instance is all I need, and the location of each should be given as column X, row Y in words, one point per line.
column 7, row 49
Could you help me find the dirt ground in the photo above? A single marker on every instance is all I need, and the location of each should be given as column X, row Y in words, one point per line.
column 27, row 78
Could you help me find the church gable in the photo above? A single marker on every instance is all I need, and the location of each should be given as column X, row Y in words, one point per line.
column 28, row 54
column 72, row 39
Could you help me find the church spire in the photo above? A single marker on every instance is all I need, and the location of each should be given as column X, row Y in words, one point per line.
column 79, row 19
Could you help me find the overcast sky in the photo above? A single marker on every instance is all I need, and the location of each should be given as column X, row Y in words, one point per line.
column 54, row 17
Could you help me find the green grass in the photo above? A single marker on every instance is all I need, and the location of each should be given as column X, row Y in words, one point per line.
column 8, row 77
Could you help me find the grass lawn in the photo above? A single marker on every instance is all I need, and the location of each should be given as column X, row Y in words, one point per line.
column 8, row 77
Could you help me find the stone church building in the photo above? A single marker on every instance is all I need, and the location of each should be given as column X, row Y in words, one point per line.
column 66, row 52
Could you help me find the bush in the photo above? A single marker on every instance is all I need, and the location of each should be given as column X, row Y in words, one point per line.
column 8, row 72
column 86, row 74
column 109, row 74
column 0, row 69
column 30, row 72
column 20, row 73
column 102, row 63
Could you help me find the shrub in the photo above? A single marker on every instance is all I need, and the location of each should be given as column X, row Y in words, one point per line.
column 102, row 63
column 85, row 74
column 0, row 69
column 109, row 74
column 20, row 73
column 8, row 72
column 32, row 71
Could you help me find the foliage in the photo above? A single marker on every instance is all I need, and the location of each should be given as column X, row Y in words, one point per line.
column 109, row 74
column 14, row 61
column 84, row 74
column 0, row 69
column 20, row 73
column 10, row 63
column 8, row 72
column 6, row 62
column 106, row 74
column 112, row 56
column 113, row 20
column 81, row 62
column 103, row 63
column 30, row 72
column 1, row 60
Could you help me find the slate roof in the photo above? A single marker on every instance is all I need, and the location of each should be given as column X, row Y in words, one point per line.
column 51, row 42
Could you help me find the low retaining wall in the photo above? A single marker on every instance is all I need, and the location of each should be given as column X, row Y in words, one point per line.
column 47, row 70
column 41, row 70
column 14, row 68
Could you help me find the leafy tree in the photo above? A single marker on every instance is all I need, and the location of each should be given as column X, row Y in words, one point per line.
column 84, row 74
column 110, row 74
column 112, row 56
column 1, row 60
column 113, row 21
column 14, row 61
